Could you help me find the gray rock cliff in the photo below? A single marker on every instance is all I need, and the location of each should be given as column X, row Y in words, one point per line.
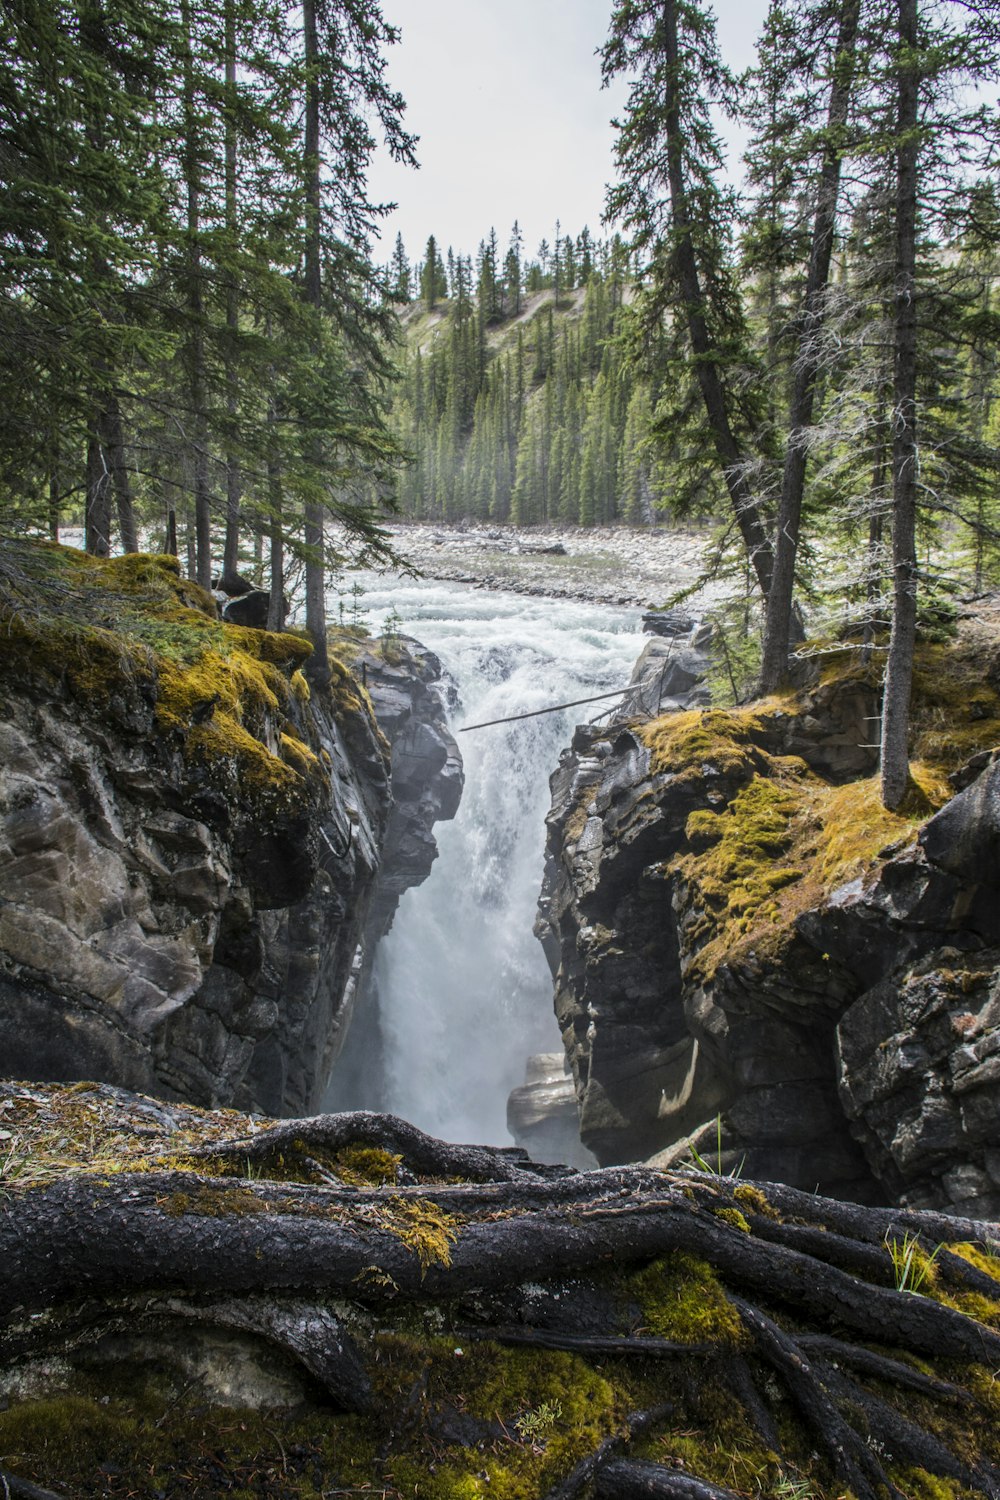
column 737, row 931
column 186, row 875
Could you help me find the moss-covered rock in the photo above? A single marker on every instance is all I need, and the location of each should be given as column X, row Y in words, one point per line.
column 188, row 842
column 737, row 926
column 483, row 1328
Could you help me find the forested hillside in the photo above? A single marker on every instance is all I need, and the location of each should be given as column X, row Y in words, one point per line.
column 518, row 400
column 531, row 390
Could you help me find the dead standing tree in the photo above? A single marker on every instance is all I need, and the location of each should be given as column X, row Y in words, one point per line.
column 653, row 1292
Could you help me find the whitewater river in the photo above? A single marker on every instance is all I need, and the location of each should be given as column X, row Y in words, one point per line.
column 465, row 991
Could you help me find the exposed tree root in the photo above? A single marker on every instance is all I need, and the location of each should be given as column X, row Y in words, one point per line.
column 624, row 1480
column 12, row 1488
column 423, row 1153
column 597, row 1462
column 387, row 1295
column 881, row 1367
column 645, row 1348
column 852, row 1461
column 900, row 1438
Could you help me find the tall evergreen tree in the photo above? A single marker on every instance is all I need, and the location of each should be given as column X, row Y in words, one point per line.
column 433, row 278
column 810, row 355
column 668, row 196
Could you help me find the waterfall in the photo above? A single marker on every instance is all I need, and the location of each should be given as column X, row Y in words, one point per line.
column 465, row 992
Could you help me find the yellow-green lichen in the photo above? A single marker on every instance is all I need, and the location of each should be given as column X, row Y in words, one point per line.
column 424, row 1228
column 214, row 1203
column 685, row 743
column 366, row 1166
column 778, row 848
column 130, row 631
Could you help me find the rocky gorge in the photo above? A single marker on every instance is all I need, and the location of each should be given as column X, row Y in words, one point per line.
column 752, row 958
column 197, row 853
column 200, row 856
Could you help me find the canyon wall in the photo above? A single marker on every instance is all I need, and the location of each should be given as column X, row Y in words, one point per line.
column 190, row 841
column 751, row 956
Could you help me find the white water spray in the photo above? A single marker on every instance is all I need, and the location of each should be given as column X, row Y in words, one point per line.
column 465, row 991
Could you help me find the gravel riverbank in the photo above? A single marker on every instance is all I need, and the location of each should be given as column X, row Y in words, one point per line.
column 607, row 565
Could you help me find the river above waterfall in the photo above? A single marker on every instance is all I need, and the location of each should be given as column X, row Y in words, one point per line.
column 465, row 995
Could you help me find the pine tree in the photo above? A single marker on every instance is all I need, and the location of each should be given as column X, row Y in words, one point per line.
column 400, row 276
column 811, row 353
column 433, row 278
column 667, row 146
column 512, row 272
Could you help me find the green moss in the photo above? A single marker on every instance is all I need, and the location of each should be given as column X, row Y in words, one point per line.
column 97, row 1447
column 736, row 1462
column 130, row 631
column 733, row 1217
column 495, row 1387
column 366, row 1166
column 978, row 1257
column 754, row 1201
column 214, row 1203
column 683, row 743
column 423, row 1227
column 781, row 845
column 682, row 1299
column 917, row 1484
column 740, row 869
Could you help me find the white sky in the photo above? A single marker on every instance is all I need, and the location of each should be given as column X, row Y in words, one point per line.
column 506, row 98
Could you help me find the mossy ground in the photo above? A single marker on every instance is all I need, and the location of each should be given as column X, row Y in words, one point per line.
column 681, row 1299
column 130, row 631
column 448, row 1420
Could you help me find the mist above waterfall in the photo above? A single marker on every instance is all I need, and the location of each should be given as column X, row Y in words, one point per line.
column 465, row 992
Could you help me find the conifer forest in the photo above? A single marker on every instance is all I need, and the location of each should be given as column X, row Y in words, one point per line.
column 199, row 341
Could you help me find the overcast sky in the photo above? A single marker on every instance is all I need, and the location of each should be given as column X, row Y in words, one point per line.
column 506, row 98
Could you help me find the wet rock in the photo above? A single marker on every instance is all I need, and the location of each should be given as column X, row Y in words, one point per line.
column 188, row 924
column 668, row 622
column 410, row 694
column 542, row 1113
column 144, row 943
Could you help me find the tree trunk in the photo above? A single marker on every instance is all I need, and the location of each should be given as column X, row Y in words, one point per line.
column 318, row 666
column 873, row 554
column 902, row 639
column 54, row 506
column 114, row 446
column 809, row 361
column 195, row 352
column 97, row 507
column 234, row 486
column 276, row 600
column 732, row 459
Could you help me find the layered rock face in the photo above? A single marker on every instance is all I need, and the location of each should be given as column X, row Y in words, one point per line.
column 738, row 930
column 188, row 849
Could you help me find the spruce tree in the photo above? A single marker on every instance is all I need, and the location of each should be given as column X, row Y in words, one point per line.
column 669, row 198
